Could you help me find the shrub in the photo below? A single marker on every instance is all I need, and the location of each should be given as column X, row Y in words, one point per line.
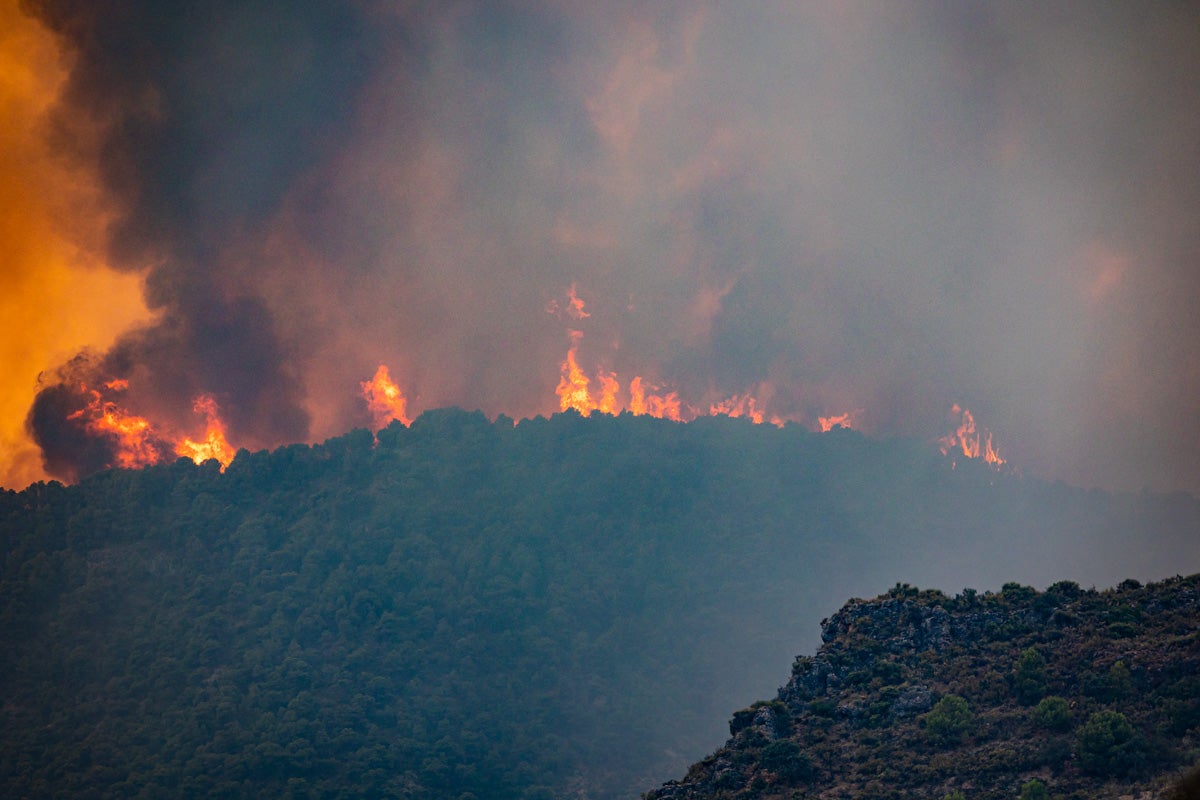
column 785, row 758
column 1034, row 790
column 1108, row 745
column 1052, row 713
column 1029, row 676
column 949, row 720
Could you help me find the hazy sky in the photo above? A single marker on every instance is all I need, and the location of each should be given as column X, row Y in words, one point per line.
column 886, row 208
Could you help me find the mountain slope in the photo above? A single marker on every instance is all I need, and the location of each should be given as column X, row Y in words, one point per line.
column 466, row 607
column 916, row 694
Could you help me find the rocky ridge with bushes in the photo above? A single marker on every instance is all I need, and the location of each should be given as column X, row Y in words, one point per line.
column 1067, row 694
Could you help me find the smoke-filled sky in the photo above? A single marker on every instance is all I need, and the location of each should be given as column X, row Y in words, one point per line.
column 882, row 208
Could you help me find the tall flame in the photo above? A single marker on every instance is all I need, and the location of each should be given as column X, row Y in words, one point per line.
column 214, row 444
column 573, row 384
column 384, row 399
column 972, row 442
column 665, row 406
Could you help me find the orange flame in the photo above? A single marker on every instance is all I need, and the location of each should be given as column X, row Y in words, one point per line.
column 573, row 384
column 609, row 387
column 664, row 406
column 968, row 439
column 384, row 399
column 575, row 390
column 743, row 405
column 838, row 421
column 573, row 308
column 214, row 444
column 134, row 442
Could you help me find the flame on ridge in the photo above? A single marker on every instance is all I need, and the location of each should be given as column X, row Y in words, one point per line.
column 827, row 424
column 134, row 440
column 384, row 399
column 574, row 391
column 214, row 444
column 972, row 442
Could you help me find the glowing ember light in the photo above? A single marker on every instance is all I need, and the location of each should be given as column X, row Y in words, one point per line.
column 839, row 421
column 214, row 444
column 384, row 399
column 972, row 442
column 134, row 443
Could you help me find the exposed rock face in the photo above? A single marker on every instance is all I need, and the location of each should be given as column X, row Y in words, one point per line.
column 863, row 717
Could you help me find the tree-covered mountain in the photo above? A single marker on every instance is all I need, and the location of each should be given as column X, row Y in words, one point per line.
column 460, row 608
column 1069, row 693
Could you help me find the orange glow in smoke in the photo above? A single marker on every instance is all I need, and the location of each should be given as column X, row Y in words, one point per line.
column 133, row 440
column 572, row 307
column 839, row 421
column 966, row 438
column 214, row 444
column 59, row 297
column 385, row 400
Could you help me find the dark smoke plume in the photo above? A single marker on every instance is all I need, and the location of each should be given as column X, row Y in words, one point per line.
column 834, row 206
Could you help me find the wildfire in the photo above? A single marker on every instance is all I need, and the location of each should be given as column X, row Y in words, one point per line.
column 134, row 442
column 384, row 399
column 573, row 384
column 665, row 406
column 214, row 444
column 972, row 442
column 743, row 405
column 572, row 307
column 574, row 391
column 839, row 421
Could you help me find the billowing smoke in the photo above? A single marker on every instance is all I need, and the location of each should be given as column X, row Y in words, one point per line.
column 835, row 207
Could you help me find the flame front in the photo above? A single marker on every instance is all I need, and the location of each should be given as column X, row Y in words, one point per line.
column 838, row 421
column 664, row 406
column 385, row 400
column 739, row 405
column 214, row 444
column 967, row 438
column 133, row 440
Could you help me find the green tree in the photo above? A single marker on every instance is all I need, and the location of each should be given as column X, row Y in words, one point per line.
column 1052, row 713
column 949, row 720
column 1029, row 676
column 1107, row 744
column 1034, row 790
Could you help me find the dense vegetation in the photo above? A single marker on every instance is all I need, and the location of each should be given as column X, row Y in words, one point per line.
column 472, row 608
column 1068, row 693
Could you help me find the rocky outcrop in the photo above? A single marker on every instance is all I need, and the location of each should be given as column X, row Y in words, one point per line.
column 862, row 717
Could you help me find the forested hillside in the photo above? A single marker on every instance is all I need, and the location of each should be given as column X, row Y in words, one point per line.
column 1017, row 695
column 470, row 608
